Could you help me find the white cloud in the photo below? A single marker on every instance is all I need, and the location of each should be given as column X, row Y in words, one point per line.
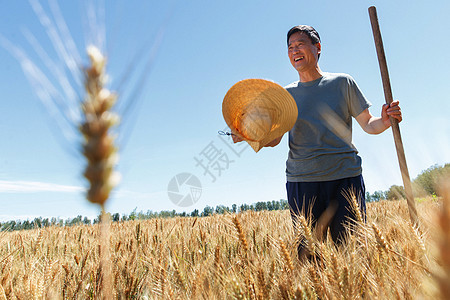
column 7, row 186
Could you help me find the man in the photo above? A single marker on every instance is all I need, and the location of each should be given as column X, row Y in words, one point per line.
column 323, row 165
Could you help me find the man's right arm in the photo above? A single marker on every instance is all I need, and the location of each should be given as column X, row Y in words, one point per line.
column 376, row 125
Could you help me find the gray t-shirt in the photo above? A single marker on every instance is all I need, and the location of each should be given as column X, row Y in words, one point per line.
column 320, row 143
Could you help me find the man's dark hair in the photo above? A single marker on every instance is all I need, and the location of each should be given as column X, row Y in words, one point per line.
column 308, row 30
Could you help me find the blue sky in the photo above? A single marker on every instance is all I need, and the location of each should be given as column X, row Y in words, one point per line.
column 206, row 47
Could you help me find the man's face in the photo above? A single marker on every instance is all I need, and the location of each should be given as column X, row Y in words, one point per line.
column 302, row 53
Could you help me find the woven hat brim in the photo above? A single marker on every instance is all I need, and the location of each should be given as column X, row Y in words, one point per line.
column 262, row 98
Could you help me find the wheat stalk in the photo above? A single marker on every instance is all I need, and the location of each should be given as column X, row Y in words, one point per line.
column 444, row 246
column 319, row 288
column 264, row 291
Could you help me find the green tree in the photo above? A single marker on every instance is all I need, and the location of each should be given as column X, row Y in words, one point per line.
column 244, row 207
column 396, row 192
column 378, row 195
column 427, row 182
column 207, row 211
column 116, row 217
column 284, row 204
column 259, row 206
column 26, row 225
column 37, row 222
column 133, row 214
column 221, row 209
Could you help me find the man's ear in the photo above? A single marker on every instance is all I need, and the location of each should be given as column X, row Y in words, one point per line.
column 319, row 47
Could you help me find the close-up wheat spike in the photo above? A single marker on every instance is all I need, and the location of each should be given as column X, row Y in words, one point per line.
column 98, row 148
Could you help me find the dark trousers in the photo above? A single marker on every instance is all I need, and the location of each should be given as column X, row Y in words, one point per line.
column 313, row 198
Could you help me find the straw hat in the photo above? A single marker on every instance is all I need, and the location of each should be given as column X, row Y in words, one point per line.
column 259, row 111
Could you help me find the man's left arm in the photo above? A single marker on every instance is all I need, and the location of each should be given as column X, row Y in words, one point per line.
column 376, row 125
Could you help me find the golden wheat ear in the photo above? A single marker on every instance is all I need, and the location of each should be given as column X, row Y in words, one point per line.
column 352, row 198
column 287, row 257
column 99, row 148
column 307, row 240
column 241, row 234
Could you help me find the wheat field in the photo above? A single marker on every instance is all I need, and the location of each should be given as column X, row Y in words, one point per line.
column 250, row 255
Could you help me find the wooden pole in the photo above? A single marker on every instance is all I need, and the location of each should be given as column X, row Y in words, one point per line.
column 394, row 123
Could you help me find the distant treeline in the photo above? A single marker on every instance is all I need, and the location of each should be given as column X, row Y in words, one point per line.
column 425, row 184
column 134, row 215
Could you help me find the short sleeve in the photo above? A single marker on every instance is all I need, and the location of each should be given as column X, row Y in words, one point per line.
column 356, row 100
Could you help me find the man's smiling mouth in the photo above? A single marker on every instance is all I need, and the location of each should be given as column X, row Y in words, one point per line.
column 298, row 58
